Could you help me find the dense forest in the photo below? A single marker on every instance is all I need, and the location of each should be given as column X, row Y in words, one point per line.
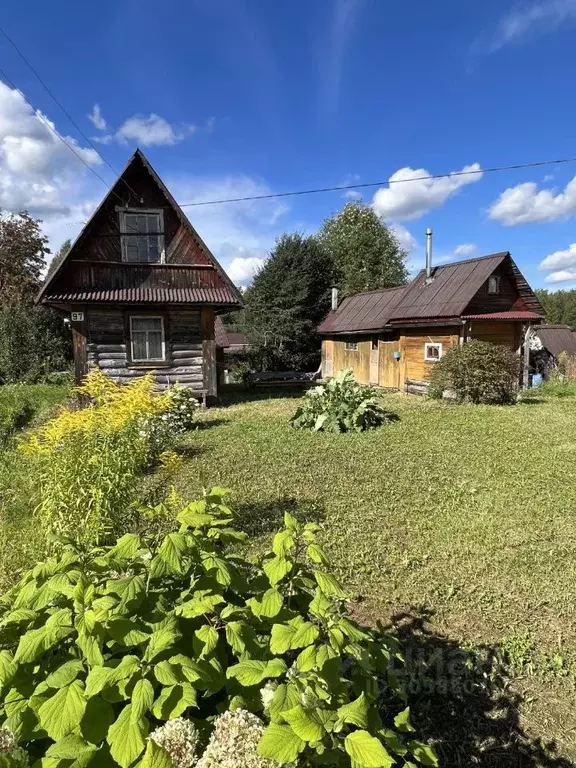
column 560, row 306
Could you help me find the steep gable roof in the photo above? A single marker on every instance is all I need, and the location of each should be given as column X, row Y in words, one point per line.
column 123, row 192
column 446, row 296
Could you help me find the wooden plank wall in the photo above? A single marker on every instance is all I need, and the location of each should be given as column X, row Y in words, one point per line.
column 507, row 334
column 358, row 361
column 107, row 348
column 412, row 351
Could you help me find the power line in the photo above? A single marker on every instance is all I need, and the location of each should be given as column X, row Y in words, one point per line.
column 64, row 110
column 55, row 132
column 343, row 187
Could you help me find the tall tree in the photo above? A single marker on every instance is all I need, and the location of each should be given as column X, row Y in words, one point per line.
column 59, row 257
column 366, row 253
column 23, row 248
column 559, row 306
column 286, row 301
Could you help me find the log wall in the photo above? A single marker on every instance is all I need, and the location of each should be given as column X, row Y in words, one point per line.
column 109, row 348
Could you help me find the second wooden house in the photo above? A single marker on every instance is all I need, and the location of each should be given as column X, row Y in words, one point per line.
column 392, row 338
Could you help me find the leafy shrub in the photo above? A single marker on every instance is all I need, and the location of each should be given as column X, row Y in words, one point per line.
column 182, row 408
column 101, row 647
column 20, row 404
column 477, row 372
column 89, row 458
column 340, row 405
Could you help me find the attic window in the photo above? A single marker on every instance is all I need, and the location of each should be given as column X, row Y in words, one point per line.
column 432, row 352
column 142, row 236
column 494, row 284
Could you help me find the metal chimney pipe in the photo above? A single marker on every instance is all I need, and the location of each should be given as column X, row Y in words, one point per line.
column 428, row 253
column 334, row 299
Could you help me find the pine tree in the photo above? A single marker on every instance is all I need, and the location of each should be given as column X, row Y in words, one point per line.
column 366, row 253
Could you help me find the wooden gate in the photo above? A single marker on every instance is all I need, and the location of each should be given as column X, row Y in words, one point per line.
column 389, row 366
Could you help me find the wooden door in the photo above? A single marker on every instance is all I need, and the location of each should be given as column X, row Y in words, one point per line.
column 374, row 362
column 389, row 366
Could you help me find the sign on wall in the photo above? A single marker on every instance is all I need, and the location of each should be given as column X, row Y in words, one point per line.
column 77, row 317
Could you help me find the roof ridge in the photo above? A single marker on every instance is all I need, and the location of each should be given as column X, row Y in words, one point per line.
column 467, row 261
column 376, row 290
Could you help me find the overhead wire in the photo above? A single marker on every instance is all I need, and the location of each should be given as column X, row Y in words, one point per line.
column 65, row 111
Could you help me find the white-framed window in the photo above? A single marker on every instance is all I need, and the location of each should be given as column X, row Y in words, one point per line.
column 494, row 284
column 147, row 341
column 432, row 352
column 351, row 346
column 142, row 235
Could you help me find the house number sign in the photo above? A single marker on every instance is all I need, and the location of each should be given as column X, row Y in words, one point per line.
column 77, row 317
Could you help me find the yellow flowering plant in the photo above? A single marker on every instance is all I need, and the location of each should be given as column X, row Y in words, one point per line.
column 90, row 457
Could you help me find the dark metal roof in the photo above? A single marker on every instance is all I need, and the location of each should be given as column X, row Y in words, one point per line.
column 362, row 312
column 452, row 287
column 446, row 295
column 557, row 339
column 151, row 295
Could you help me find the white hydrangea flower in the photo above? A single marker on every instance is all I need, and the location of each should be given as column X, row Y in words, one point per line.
column 233, row 743
column 9, row 746
column 267, row 694
column 179, row 738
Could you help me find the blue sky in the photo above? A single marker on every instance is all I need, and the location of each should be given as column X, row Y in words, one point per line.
column 236, row 97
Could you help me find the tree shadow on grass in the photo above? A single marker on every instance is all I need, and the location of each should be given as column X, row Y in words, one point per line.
column 461, row 702
column 233, row 394
column 264, row 517
column 208, row 422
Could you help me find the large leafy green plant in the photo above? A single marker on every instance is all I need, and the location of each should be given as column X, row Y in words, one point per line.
column 100, row 647
column 340, row 405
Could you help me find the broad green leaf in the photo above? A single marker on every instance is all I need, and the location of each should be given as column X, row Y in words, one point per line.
column 282, row 544
column 15, row 617
column 61, row 713
column 276, row 668
column 142, row 698
column 248, row 672
column 156, row 757
column 324, row 654
column 169, row 673
column 291, row 522
column 402, row 721
column 277, row 568
column 165, row 635
column 65, row 674
column 70, row 747
column 209, row 636
column 127, row 631
column 423, row 753
column 270, row 606
column 281, row 638
column 280, row 743
column 285, row 697
column 234, row 636
column 366, row 751
column 127, row 737
column 200, row 605
column 126, row 547
column 305, row 723
column 131, row 591
column 104, row 677
column 195, row 515
column 356, row 712
column 352, row 631
column 307, row 659
column 316, row 554
column 98, row 717
column 328, row 584
column 305, row 635
column 91, row 649
column 7, row 669
column 32, row 645
column 173, row 701
column 220, row 566
column 171, row 552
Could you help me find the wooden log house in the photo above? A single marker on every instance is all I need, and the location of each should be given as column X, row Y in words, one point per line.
column 392, row 338
column 142, row 290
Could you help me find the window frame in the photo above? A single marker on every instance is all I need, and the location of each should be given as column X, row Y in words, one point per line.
column 351, row 346
column 429, row 344
column 124, row 212
column 496, row 283
column 147, row 361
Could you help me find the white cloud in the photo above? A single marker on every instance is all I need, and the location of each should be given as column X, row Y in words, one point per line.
column 525, row 203
column 241, row 270
column 562, row 276
column 409, row 199
column 149, row 131
column 96, row 118
column 405, row 238
column 465, row 249
column 560, row 259
column 38, row 172
column 528, row 21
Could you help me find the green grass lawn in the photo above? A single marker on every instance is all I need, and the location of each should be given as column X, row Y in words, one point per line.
column 460, row 519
